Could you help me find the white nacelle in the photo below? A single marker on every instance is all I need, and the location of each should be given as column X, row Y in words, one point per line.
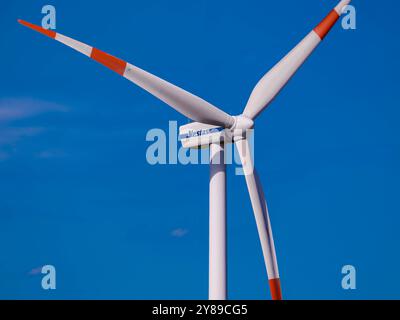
column 197, row 135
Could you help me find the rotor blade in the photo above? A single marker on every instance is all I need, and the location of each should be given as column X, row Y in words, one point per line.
column 262, row 218
column 182, row 101
column 273, row 82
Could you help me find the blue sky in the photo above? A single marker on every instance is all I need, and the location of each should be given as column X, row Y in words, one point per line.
column 76, row 190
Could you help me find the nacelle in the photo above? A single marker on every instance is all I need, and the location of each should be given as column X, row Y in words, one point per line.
column 197, row 135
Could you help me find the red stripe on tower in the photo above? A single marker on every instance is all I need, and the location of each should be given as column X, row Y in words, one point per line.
column 109, row 61
column 46, row 32
column 326, row 25
column 275, row 287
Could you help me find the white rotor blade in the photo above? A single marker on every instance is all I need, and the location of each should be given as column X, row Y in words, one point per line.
column 262, row 218
column 182, row 101
column 273, row 82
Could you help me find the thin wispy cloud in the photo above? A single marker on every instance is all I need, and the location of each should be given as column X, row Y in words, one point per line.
column 11, row 135
column 17, row 109
column 35, row 271
column 179, row 232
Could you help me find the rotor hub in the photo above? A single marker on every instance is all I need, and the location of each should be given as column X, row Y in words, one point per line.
column 240, row 127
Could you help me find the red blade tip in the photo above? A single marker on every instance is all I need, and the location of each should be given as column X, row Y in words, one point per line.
column 46, row 32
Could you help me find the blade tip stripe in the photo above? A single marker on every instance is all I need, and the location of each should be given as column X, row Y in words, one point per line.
column 275, row 288
column 46, row 32
column 326, row 25
column 111, row 62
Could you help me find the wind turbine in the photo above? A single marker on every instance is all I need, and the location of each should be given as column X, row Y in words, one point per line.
column 215, row 128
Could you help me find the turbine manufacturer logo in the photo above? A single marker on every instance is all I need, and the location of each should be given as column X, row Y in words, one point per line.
column 198, row 133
